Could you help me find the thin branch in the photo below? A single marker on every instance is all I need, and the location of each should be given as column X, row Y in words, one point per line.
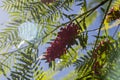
column 102, row 24
column 93, row 30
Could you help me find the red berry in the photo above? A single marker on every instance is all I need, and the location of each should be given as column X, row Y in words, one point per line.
column 65, row 37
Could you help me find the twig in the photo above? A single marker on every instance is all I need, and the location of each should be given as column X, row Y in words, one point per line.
column 102, row 24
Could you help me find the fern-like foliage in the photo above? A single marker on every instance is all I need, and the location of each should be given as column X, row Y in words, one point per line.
column 9, row 36
column 37, row 10
column 26, row 66
column 112, row 66
column 100, row 63
column 116, row 3
column 99, row 66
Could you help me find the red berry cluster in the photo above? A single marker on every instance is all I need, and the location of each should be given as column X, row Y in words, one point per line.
column 65, row 37
column 113, row 14
column 96, row 68
column 102, row 46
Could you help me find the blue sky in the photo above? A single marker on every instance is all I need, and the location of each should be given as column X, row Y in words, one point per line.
column 4, row 17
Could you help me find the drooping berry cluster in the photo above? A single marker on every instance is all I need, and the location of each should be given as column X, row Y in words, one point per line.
column 98, row 56
column 65, row 37
column 113, row 14
column 102, row 46
column 47, row 1
column 96, row 68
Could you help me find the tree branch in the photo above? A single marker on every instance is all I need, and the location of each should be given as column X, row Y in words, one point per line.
column 102, row 25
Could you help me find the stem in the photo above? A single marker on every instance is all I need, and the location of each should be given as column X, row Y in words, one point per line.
column 102, row 24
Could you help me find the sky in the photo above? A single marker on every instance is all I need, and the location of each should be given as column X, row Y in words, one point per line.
column 4, row 17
